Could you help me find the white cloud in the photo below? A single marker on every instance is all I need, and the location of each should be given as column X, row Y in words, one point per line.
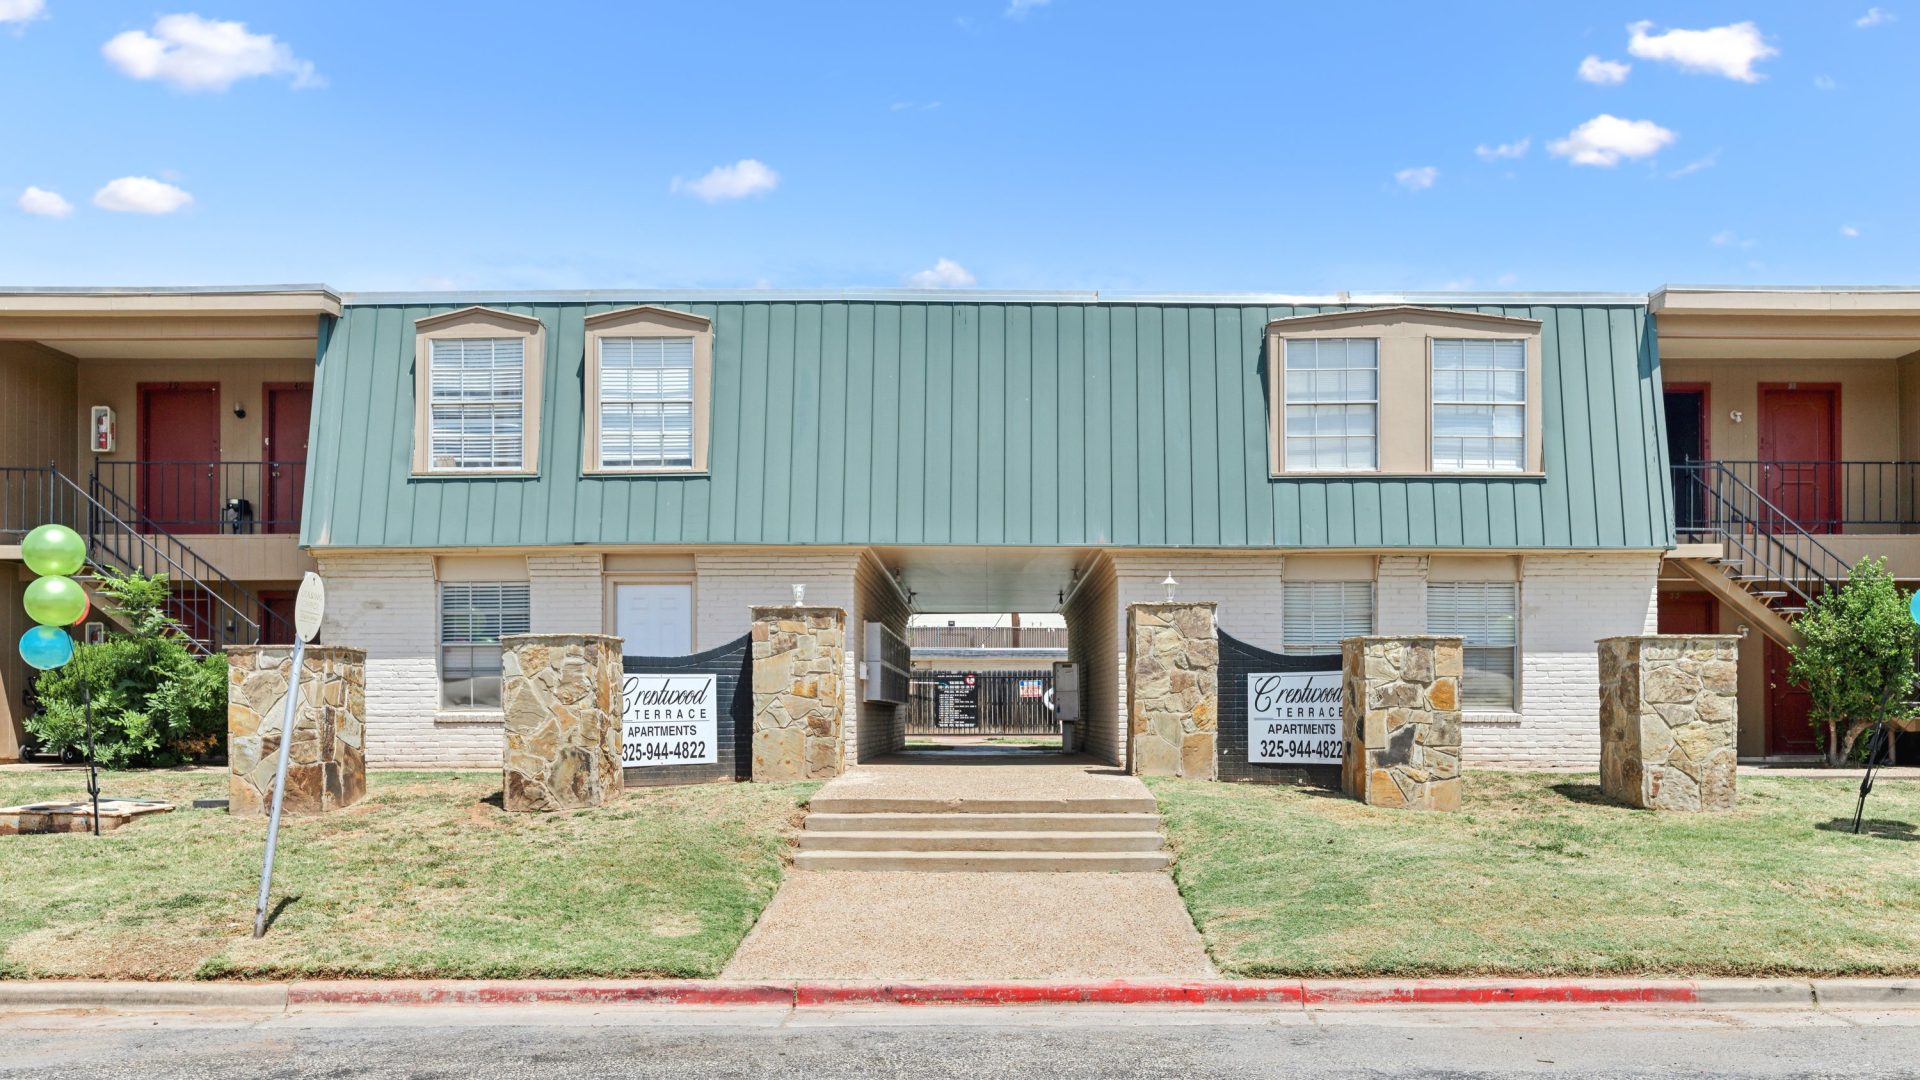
column 1695, row 166
column 21, row 11
column 914, row 106
column 188, row 52
column 1606, row 138
column 1604, row 72
column 1730, row 50
column 1018, row 9
column 1849, row 231
column 1419, row 179
column 943, row 274
column 43, row 203
column 140, row 195
column 1514, row 149
column 1875, row 17
column 1729, row 238
column 736, row 181
column 1825, row 82
column 1507, row 279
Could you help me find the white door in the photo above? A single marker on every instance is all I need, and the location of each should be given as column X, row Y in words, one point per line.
column 654, row 620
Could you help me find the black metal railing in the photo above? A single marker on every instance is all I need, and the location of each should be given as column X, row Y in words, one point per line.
column 988, row 637
column 1764, row 544
column 1828, row 496
column 202, row 497
column 981, row 703
column 212, row 610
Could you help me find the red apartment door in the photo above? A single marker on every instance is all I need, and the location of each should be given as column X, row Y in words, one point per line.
column 1800, row 448
column 180, row 444
column 284, row 447
column 1788, row 731
column 1689, row 613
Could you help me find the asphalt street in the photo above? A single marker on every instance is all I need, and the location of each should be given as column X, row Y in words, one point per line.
column 482, row 1043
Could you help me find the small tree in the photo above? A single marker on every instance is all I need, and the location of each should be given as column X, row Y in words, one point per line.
column 154, row 702
column 1857, row 660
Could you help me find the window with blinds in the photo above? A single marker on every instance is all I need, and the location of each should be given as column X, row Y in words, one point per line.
column 1333, row 404
column 646, row 402
column 1315, row 616
column 474, row 616
column 1479, row 406
column 1486, row 616
column 476, row 390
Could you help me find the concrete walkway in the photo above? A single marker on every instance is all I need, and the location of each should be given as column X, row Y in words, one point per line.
column 978, row 924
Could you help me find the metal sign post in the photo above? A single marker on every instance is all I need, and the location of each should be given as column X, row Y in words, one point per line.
column 308, row 608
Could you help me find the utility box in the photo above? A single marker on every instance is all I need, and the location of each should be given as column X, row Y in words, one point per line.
column 1066, row 704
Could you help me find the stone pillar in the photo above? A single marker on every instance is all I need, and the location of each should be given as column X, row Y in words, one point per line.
column 562, row 694
column 327, row 763
column 1173, row 689
column 1668, row 720
column 1400, row 713
column 799, row 700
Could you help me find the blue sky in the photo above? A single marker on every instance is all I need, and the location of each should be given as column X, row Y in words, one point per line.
column 1074, row 144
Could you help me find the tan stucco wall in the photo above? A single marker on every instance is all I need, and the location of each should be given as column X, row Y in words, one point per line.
column 1871, row 396
column 116, row 383
column 37, row 395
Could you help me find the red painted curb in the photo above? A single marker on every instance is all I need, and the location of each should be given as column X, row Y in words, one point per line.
column 535, row 991
column 1015, row 993
column 1501, row 993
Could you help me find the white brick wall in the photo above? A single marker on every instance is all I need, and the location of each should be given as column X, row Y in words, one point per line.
column 564, row 590
column 387, row 604
column 1400, row 595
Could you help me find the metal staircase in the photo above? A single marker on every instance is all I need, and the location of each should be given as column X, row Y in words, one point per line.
column 1747, row 551
column 212, row 610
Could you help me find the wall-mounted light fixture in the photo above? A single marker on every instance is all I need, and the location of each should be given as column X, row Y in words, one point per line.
column 1170, row 585
column 239, row 411
column 1743, row 630
column 1736, row 416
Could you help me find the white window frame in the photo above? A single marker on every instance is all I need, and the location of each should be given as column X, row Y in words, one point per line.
column 648, row 321
column 1287, row 403
column 508, row 625
column 1434, row 405
column 634, row 403
column 482, row 323
column 1467, row 702
column 1300, row 645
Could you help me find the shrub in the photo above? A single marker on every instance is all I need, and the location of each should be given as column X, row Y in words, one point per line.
column 1857, row 660
column 154, row 702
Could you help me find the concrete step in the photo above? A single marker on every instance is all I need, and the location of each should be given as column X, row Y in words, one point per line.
column 819, row 822
column 951, row 840
column 841, row 804
column 989, row 861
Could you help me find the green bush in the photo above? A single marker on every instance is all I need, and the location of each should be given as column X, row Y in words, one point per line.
column 1857, row 660
column 154, row 701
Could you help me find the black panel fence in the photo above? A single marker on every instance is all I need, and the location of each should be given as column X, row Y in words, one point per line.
column 730, row 665
column 1311, row 727
column 982, row 703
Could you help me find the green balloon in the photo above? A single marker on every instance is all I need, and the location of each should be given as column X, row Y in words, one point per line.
column 53, row 551
column 55, row 601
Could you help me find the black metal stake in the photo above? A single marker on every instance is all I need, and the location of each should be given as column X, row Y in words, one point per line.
column 93, row 769
column 1876, row 746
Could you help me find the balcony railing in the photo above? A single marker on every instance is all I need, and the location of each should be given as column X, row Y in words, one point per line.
column 206, row 497
column 988, row 637
column 1825, row 496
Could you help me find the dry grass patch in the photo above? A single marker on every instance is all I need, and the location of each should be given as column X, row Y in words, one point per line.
column 1539, row 875
column 427, row 877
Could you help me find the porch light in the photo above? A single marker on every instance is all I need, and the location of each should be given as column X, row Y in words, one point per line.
column 1170, row 585
column 799, row 596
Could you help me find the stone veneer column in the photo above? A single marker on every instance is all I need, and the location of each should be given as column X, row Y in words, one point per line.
column 562, row 694
column 799, row 703
column 1668, row 720
column 327, row 763
column 1400, row 712
column 1173, row 689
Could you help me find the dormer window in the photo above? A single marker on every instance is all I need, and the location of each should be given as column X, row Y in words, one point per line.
column 648, row 385
column 477, row 388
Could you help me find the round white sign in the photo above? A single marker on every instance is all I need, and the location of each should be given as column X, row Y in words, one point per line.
column 309, row 607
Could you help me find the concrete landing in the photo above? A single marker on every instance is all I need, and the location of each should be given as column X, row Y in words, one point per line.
column 76, row 816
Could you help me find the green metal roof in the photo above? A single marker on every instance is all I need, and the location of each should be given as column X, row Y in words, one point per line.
column 998, row 420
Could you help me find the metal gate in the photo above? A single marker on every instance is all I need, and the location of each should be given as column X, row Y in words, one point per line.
column 982, row 703
column 1241, row 666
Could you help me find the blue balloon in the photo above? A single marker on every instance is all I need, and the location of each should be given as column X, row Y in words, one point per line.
column 1913, row 607
column 46, row 647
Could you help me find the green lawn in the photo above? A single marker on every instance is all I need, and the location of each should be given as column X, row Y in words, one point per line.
column 426, row 877
column 1538, row 875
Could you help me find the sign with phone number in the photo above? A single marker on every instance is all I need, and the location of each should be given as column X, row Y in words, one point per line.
column 670, row 720
column 1294, row 718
